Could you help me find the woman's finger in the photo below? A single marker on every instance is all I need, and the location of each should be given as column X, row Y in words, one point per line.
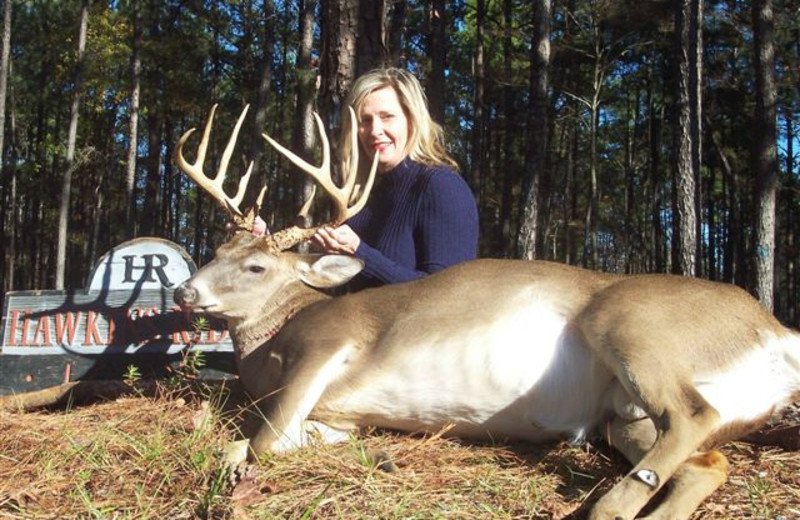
column 327, row 242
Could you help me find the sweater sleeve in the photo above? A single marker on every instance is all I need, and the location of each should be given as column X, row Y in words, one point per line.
column 379, row 267
column 446, row 232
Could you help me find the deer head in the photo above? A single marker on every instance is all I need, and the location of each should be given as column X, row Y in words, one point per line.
column 253, row 278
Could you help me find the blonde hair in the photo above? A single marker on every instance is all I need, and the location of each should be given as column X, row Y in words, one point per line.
column 425, row 137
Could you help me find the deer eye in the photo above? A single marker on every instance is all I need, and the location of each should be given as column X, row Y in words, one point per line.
column 256, row 269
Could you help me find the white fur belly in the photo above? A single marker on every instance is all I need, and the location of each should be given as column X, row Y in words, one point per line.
column 521, row 376
column 757, row 384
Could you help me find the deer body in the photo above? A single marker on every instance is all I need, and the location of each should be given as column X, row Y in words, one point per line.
column 408, row 362
column 666, row 367
column 497, row 349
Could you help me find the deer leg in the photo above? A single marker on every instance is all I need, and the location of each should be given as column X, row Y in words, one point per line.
column 694, row 480
column 683, row 420
column 285, row 426
column 632, row 438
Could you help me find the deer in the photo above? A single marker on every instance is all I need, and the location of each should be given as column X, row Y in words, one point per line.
column 667, row 368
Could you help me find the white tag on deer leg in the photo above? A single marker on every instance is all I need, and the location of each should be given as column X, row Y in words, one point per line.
column 648, row 476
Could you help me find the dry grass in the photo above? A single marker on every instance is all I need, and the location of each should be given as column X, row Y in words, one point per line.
column 159, row 457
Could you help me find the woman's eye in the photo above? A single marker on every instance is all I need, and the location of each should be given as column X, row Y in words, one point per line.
column 256, row 269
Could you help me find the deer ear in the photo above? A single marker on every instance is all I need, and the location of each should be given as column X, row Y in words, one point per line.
column 326, row 271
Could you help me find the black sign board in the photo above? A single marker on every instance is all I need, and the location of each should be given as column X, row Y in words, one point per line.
column 126, row 317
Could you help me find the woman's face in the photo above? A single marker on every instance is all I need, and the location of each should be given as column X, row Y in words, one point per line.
column 383, row 128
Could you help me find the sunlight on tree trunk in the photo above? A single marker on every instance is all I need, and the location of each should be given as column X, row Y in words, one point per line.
column 133, row 122
column 303, row 138
column 538, row 128
column 688, row 133
column 766, row 156
column 7, row 260
column 66, row 187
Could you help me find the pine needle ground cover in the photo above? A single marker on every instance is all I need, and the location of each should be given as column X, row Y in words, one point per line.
column 160, row 457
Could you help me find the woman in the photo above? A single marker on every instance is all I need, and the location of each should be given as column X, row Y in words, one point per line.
column 421, row 216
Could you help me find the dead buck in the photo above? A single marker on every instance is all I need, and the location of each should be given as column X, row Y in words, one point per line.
column 667, row 367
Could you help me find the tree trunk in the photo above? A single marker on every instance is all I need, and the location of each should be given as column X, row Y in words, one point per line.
column 630, row 253
column 509, row 168
column 766, row 157
column 167, row 186
column 733, row 222
column 66, row 186
column 98, row 215
column 570, row 193
column 688, row 133
column 479, row 118
column 256, row 142
column 338, row 65
column 655, row 115
column 133, row 123
column 538, row 127
column 397, row 24
column 14, row 215
column 9, row 201
column 303, row 138
column 437, row 42
column 150, row 218
column 371, row 51
column 590, row 257
column 591, row 253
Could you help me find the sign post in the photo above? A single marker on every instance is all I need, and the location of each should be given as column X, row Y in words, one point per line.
column 126, row 317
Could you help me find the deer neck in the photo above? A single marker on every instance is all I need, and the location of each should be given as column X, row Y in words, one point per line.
column 280, row 308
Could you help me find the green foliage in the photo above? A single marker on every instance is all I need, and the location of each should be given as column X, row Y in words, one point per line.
column 132, row 375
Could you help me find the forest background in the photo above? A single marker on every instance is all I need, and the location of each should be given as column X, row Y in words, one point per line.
column 625, row 135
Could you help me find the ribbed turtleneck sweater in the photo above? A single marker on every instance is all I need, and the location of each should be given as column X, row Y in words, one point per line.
column 419, row 219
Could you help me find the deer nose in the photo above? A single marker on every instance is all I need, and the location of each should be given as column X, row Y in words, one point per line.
column 185, row 295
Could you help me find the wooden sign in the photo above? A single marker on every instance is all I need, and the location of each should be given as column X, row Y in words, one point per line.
column 125, row 318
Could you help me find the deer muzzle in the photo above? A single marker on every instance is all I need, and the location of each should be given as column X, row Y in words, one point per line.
column 186, row 296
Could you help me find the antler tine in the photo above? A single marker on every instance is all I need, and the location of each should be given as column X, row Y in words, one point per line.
column 223, row 165
column 243, row 182
column 352, row 174
column 362, row 199
column 303, row 213
column 195, row 170
column 352, row 167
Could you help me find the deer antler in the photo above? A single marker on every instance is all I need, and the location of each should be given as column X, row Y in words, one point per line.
column 291, row 236
column 214, row 186
column 342, row 197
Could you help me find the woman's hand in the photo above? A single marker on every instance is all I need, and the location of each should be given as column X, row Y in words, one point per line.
column 340, row 240
column 259, row 227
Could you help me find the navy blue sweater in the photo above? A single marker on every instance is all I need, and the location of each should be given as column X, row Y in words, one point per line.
column 419, row 219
